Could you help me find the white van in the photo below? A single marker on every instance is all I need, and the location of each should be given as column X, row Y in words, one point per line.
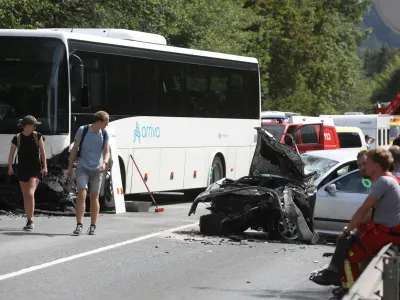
column 375, row 126
column 351, row 137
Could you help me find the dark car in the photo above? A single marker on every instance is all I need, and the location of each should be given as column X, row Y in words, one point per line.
column 276, row 197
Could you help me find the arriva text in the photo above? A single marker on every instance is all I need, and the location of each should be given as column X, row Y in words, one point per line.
column 145, row 132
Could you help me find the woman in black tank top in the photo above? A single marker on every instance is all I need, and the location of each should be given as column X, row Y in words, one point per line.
column 32, row 164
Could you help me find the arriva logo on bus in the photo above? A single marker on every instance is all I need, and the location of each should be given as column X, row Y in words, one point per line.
column 145, row 132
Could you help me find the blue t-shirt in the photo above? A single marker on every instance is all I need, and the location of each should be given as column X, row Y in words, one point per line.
column 91, row 156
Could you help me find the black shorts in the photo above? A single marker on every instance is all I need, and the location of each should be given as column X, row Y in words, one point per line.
column 26, row 176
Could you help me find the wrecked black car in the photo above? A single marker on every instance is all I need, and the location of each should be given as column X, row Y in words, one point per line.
column 276, row 197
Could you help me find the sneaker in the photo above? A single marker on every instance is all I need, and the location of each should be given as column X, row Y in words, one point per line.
column 327, row 277
column 29, row 225
column 340, row 293
column 92, row 230
column 78, row 230
column 338, row 290
column 315, row 272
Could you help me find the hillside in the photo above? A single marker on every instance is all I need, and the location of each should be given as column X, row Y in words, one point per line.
column 381, row 33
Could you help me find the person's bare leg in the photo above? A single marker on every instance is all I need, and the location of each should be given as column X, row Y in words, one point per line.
column 80, row 205
column 29, row 200
column 94, row 208
column 28, row 192
column 25, row 191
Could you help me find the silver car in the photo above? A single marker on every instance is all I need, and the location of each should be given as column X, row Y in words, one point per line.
column 340, row 188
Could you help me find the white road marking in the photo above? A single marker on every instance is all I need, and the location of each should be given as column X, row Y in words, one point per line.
column 91, row 252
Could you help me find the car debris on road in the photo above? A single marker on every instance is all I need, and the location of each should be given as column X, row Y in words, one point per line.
column 274, row 197
column 54, row 193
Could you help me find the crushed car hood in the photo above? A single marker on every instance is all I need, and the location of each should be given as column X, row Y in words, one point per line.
column 273, row 158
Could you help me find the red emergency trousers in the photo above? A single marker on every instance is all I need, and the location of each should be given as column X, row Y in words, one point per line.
column 372, row 239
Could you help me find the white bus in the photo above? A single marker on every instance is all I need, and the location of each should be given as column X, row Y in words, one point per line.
column 186, row 116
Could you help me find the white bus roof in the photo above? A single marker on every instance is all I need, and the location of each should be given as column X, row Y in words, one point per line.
column 122, row 34
column 120, row 38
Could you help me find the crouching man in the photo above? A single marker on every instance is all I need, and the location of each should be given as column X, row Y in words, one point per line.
column 353, row 246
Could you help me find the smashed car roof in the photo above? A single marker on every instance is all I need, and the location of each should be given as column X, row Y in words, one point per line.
column 273, row 158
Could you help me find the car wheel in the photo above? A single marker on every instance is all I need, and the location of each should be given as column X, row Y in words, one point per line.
column 286, row 229
column 210, row 224
column 217, row 172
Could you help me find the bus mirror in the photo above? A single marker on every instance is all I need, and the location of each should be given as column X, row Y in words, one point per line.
column 82, row 75
column 81, row 69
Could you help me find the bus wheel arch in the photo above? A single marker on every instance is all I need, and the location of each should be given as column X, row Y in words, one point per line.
column 123, row 173
column 218, row 168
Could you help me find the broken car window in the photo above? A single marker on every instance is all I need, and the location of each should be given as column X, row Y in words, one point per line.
column 317, row 164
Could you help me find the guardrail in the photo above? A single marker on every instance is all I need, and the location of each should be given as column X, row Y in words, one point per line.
column 380, row 279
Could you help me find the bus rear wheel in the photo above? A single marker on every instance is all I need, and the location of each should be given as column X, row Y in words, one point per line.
column 217, row 170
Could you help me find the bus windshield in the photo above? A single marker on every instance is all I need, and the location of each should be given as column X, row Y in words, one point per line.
column 33, row 81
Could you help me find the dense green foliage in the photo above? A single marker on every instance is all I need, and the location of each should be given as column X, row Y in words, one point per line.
column 307, row 49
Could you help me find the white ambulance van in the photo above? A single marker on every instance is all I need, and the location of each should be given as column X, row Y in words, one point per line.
column 375, row 126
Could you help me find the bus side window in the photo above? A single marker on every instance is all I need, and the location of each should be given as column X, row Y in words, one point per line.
column 144, row 86
column 94, row 80
column 218, row 93
column 118, row 79
column 197, row 97
column 76, row 90
column 170, row 89
column 250, row 95
column 379, row 137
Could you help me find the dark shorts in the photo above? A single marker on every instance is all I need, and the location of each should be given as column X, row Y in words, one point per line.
column 24, row 176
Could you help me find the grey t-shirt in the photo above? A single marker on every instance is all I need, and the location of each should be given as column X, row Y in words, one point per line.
column 387, row 208
column 92, row 149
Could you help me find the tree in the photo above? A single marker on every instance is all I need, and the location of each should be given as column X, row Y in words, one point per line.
column 25, row 13
column 376, row 60
column 312, row 52
column 386, row 84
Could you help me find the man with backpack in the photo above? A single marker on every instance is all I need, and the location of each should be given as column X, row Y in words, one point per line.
column 92, row 150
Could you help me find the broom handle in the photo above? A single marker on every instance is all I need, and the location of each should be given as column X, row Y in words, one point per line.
column 151, row 195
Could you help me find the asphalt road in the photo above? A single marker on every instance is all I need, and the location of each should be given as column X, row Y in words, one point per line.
column 151, row 256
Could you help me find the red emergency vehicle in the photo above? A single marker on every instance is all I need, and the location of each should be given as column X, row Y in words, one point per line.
column 309, row 136
column 389, row 108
